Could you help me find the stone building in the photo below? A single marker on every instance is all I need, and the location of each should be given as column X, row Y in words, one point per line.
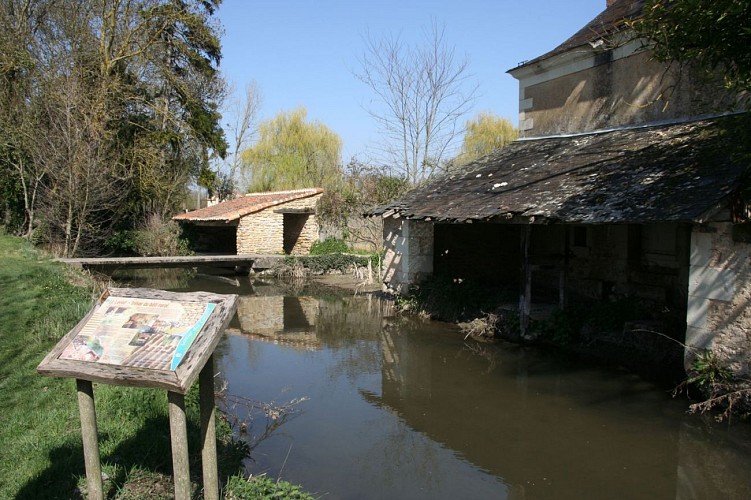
column 280, row 222
column 623, row 184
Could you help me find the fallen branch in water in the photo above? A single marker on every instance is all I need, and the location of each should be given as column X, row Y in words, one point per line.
column 242, row 412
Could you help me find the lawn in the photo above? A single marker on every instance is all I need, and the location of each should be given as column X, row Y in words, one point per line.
column 41, row 456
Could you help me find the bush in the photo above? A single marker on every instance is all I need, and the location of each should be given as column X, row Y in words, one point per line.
column 319, row 264
column 159, row 237
column 329, row 246
column 121, row 243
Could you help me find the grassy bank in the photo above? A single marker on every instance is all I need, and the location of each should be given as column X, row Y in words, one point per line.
column 41, row 454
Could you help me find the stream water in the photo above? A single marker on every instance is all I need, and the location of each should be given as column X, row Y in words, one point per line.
column 381, row 406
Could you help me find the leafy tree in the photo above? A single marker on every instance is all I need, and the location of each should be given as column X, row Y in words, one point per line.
column 291, row 153
column 107, row 110
column 713, row 34
column 424, row 91
column 483, row 134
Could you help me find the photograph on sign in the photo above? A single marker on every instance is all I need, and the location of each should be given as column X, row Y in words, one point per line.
column 139, row 332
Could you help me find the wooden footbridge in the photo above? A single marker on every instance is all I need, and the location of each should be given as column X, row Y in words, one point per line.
column 255, row 262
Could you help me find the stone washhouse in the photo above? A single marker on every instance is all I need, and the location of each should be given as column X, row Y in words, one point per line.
column 279, row 222
column 626, row 182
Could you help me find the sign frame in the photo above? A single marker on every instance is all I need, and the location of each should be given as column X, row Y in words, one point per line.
column 178, row 380
column 195, row 361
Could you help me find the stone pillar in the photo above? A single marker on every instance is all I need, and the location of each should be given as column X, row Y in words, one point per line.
column 719, row 295
column 409, row 253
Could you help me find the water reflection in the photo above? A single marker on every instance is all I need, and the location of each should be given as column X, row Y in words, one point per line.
column 404, row 409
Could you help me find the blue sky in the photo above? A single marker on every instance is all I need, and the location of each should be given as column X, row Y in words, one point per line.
column 305, row 52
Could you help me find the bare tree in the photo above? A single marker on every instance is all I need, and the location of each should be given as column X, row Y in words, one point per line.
column 82, row 188
column 244, row 110
column 425, row 91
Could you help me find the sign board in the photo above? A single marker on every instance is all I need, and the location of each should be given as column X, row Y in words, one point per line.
column 143, row 337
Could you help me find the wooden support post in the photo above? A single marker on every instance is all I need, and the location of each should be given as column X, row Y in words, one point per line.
column 179, row 434
column 90, row 439
column 208, row 432
column 563, row 281
column 525, row 299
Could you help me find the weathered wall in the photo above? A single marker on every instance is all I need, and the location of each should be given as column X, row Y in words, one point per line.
column 478, row 252
column 263, row 232
column 648, row 261
column 719, row 316
column 409, row 253
column 360, row 233
column 605, row 261
column 611, row 89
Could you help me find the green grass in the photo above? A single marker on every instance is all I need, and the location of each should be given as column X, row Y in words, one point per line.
column 41, row 455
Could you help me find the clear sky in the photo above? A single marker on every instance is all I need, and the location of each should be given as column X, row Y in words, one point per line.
column 305, row 52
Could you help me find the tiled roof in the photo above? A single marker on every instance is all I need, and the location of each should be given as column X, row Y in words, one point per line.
column 606, row 23
column 680, row 173
column 252, row 202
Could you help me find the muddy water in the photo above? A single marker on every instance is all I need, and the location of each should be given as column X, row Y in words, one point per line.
column 405, row 409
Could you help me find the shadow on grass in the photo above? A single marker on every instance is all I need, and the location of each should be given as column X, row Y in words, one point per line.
column 59, row 480
column 139, row 467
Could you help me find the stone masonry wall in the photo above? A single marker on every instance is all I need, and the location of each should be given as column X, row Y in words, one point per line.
column 409, row 253
column 614, row 91
column 308, row 235
column 719, row 316
column 263, row 232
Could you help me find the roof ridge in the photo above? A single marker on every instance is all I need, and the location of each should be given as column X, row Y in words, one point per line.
column 636, row 126
column 286, row 191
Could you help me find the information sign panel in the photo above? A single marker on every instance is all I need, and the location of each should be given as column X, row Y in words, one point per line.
column 143, row 337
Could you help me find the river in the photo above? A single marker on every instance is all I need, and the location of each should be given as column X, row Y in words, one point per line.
column 374, row 405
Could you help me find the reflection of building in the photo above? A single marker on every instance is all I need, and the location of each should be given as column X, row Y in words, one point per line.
column 547, row 433
column 288, row 319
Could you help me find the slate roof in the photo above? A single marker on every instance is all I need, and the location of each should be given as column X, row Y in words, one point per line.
column 680, row 173
column 609, row 21
column 231, row 210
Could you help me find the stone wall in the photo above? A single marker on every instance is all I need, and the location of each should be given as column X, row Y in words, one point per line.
column 719, row 316
column 649, row 261
column 596, row 89
column 263, row 232
column 409, row 253
column 305, row 232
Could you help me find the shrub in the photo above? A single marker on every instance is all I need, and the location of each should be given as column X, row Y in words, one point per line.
column 263, row 487
column 329, row 246
column 121, row 243
column 319, row 264
column 159, row 237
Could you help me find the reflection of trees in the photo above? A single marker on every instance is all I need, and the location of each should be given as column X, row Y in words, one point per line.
column 163, row 278
column 350, row 325
column 526, row 417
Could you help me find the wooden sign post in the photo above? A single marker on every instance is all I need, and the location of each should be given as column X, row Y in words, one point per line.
column 141, row 337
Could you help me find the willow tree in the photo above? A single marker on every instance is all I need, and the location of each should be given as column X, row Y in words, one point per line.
column 292, row 152
column 483, row 134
